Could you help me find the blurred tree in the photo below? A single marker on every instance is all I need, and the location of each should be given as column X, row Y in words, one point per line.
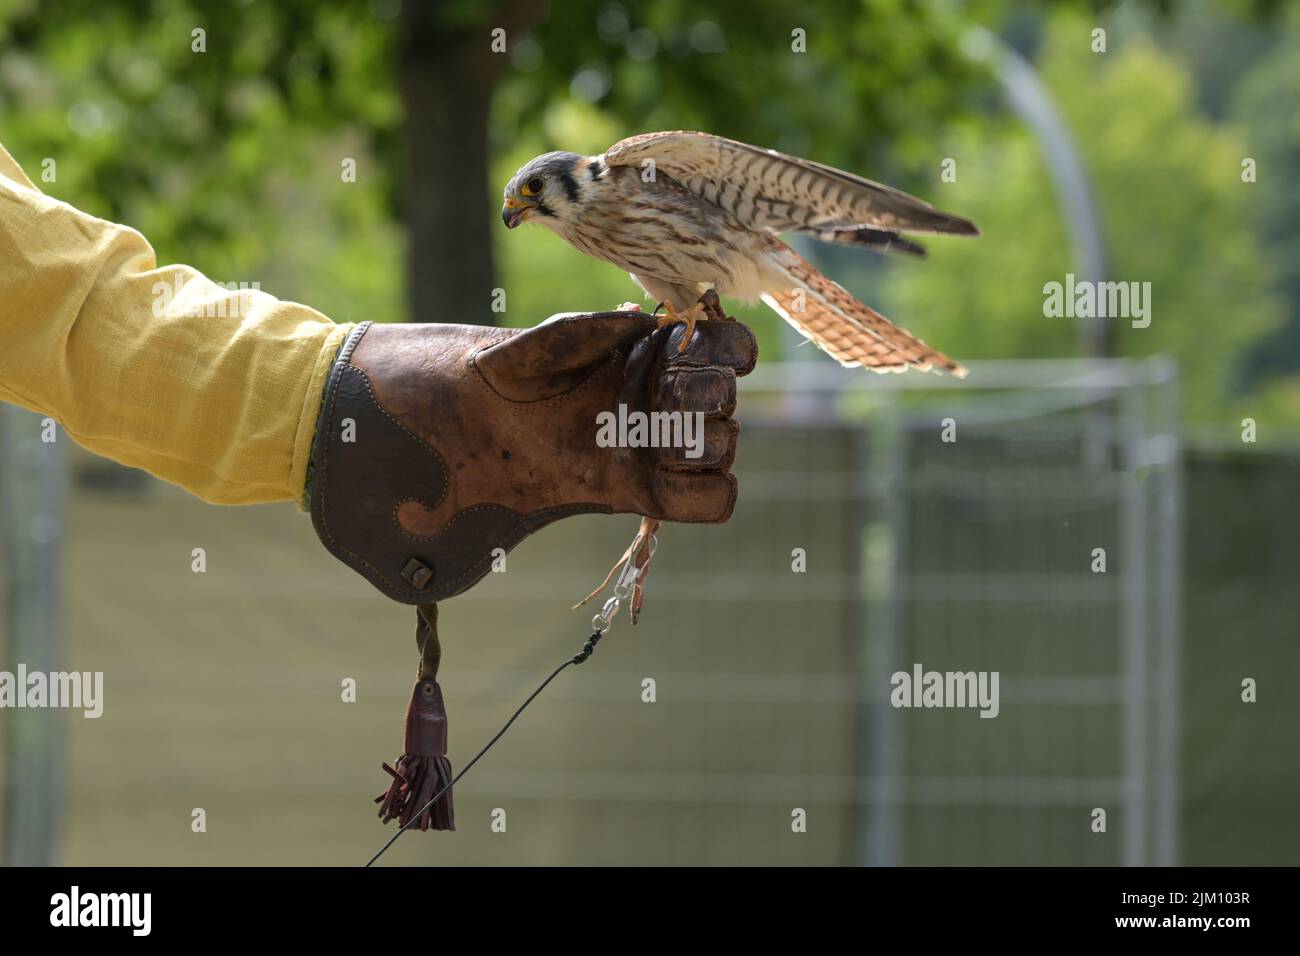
column 1268, row 105
column 219, row 131
column 448, row 66
column 853, row 82
column 1176, row 214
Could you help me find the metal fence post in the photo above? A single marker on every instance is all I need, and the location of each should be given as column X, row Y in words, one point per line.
column 31, row 509
column 1169, row 622
column 1134, row 625
column 884, row 566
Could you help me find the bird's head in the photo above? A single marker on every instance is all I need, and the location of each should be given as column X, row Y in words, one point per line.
column 545, row 189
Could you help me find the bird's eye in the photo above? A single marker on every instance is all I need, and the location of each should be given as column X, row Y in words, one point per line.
column 532, row 187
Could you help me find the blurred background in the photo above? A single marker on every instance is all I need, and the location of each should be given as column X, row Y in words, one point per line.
column 351, row 157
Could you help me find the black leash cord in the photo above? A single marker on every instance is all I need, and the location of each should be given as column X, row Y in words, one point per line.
column 578, row 658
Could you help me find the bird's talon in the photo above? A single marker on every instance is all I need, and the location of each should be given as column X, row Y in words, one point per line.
column 712, row 307
column 687, row 318
column 686, row 337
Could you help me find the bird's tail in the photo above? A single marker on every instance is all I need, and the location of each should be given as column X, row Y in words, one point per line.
column 850, row 332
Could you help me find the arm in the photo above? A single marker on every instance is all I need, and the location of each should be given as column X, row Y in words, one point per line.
column 158, row 368
column 434, row 445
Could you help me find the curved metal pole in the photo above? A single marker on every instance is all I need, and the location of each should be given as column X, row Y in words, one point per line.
column 1029, row 98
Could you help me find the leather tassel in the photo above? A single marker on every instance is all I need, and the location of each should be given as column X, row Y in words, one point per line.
column 423, row 770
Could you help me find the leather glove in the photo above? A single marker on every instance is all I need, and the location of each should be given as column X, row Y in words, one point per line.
column 438, row 444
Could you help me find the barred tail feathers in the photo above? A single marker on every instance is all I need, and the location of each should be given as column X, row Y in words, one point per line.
column 849, row 331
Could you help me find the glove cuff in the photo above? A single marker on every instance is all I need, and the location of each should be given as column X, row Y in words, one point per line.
column 361, row 459
column 367, row 465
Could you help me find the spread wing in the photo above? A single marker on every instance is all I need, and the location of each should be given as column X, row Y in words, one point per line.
column 765, row 189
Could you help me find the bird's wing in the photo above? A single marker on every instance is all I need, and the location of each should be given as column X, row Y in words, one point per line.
column 850, row 332
column 765, row 189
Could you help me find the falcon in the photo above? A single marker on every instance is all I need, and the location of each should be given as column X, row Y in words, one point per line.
column 688, row 214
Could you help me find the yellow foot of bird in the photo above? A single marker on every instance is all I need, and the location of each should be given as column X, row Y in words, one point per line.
column 687, row 318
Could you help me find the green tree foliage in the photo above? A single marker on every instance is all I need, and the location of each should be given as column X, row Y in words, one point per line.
column 872, row 81
column 228, row 159
column 1175, row 214
column 1268, row 107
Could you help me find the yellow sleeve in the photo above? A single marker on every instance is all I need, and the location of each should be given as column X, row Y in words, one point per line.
column 213, row 389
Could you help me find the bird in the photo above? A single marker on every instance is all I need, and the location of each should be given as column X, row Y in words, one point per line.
column 692, row 216
column 689, row 213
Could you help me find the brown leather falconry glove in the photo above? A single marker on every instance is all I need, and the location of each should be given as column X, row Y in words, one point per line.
column 438, row 444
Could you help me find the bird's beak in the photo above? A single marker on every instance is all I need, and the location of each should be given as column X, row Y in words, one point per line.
column 513, row 212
